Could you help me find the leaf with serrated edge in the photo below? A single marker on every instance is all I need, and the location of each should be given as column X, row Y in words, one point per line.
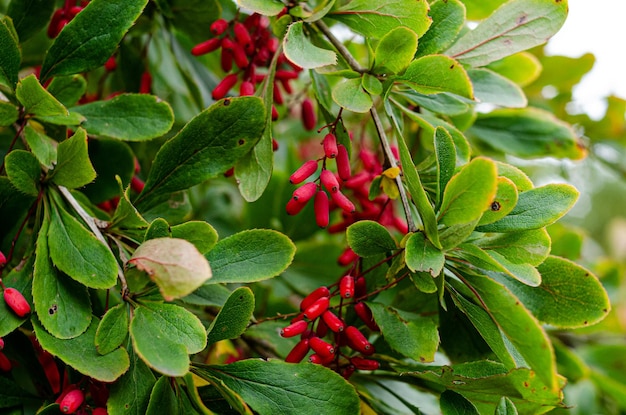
column 131, row 393
column 423, row 256
column 24, row 171
column 11, row 57
column 80, row 353
column 37, row 100
column 73, row 168
column 175, row 265
column 234, row 316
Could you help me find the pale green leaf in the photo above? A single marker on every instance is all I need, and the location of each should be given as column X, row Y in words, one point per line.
column 349, row 94
column 448, row 20
column 490, row 87
column 434, row 74
column 299, row 49
column 264, row 7
column 503, row 203
column 395, row 51
column 42, row 146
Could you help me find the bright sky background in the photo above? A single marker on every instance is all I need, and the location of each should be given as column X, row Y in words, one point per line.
column 595, row 26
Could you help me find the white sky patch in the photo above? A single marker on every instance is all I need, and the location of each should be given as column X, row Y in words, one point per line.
column 595, row 26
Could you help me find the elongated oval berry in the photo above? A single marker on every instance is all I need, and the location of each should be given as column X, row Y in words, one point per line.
column 305, row 192
column 242, row 35
column 346, row 286
column 3, row 260
column 321, row 208
column 145, row 84
column 317, row 308
column 321, row 330
column 329, row 181
column 99, row 411
column 333, row 322
column 320, row 360
column 246, row 89
column 137, row 184
column 308, row 115
column 274, row 113
column 313, row 297
column 357, row 341
column 226, row 60
column 343, row 163
column 206, row 47
column 365, row 314
column 298, row 352
column 1, row 343
column 347, row 257
column 53, row 27
column 72, row 401
column 294, row 206
column 239, row 56
column 218, row 27
column 357, row 180
column 364, row 364
column 16, row 301
column 277, row 95
column 343, row 202
column 294, row 329
column 224, row 86
column 360, row 287
column 5, row 363
column 110, row 64
column 304, row 172
column 322, row 348
column 285, row 74
column 330, row 145
column 347, row 371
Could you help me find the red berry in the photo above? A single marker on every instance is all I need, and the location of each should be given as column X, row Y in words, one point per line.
column 343, row 202
column 357, row 180
column 364, row 364
column 99, row 411
column 16, row 301
column 286, row 75
column 274, row 145
column 246, row 89
column 360, row 287
column 313, row 297
column 5, row 363
column 3, row 260
column 321, row 348
column 274, row 113
column 330, row 145
column 347, row 371
column 329, row 181
column 317, row 308
column 294, row 206
column 53, row 27
column 346, row 286
column 1, row 343
column 72, row 401
column 145, row 85
column 294, row 329
column 206, row 47
column 277, row 95
column 347, row 257
column 218, row 27
column 242, row 35
column 304, row 172
column 137, row 184
column 321, row 208
column 357, row 341
column 305, row 192
column 224, row 86
column 333, row 322
column 298, row 352
column 73, row 11
column 110, row 64
column 226, row 60
column 308, row 115
column 343, row 162
column 365, row 314
column 320, row 360
column 239, row 56
column 321, row 330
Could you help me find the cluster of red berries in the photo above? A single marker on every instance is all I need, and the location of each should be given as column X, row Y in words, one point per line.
column 63, row 16
column 329, row 183
column 316, row 322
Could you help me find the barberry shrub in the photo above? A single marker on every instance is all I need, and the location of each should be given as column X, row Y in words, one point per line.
column 210, row 207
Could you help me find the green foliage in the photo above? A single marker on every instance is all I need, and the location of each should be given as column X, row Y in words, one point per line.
column 444, row 280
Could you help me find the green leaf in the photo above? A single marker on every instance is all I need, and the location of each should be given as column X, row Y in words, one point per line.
column 29, row 16
column 159, row 228
column 80, row 353
column 434, row 74
column 528, row 132
column 11, row 57
column 175, row 265
column 424, row 282
column 129, row 117
column 201, row 234
column 504, row 202
column 234, row 316
column 274, row 387
column 529, row 247
column 8, row 114
column 101, row 152
column 131, row 393
column 264, row 7
column 37, row 100
column 78, row 253
column 91, row 37
column 536, row 208
column 519, row 325
column 492, row 88
column 513, row 27
column 349, row 94
column 411, row 335
column 113, row 329
column 162, row 398
column 444, row 103
column 448, row 20
column 208, row 295
column 207, row 146
column 68, row 89
column 372, row 18
column 62, row 304
column 446, row 160
column 164, row 335
column 73, row 168
column 19, row 278
column 521, row 180
column 42, row 146
column 505, row 407
column 422, row 255
column 469, row 192
column 452, row 403
column 569, row 295
column 23, row 171
column 395, row 51
column 249, row 256
column 522, row 68
column 299, row 49
column 371, row 84
column 525, row 273
column 367, row 238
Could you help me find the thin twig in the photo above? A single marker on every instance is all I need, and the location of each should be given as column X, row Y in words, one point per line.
column 343, row 51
